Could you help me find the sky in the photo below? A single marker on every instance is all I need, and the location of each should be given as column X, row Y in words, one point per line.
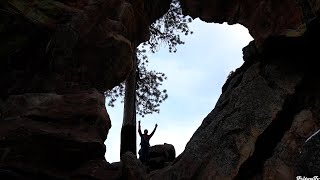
column 195, row 76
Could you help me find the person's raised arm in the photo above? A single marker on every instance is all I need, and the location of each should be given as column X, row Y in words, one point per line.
column 139, row 129
column 154, row 130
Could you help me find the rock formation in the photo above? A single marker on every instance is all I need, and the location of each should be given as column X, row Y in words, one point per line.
column 131, row 167
column 56, row 59
column 269, row 106
column 160, row 156
column 308, row 163
column 263, row 18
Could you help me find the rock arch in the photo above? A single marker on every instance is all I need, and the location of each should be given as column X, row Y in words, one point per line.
column 51, row 116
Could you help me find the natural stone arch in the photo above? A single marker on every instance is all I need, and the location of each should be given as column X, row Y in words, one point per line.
column 55, row 61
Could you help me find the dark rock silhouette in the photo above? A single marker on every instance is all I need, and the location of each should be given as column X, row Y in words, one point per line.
column 263, row 18
column 308, row 163
column 48, row 133
column 268, row 109
column 160, row 156
column 131, row 167
column 57, row 58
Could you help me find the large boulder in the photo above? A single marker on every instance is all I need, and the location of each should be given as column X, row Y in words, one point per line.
column 160, row 156
column 53, row 134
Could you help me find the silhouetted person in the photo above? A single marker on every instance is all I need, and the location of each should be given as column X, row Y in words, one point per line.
column 144, row 151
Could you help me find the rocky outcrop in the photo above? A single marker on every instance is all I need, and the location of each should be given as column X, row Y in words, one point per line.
column 70, row 45
column 98, row 169
column 52, row 134
column 284, row 163
column 308, row 163
column 268, row 108
column 263, row 18
column 160, row 156
column 131, row 167
column 57, row 58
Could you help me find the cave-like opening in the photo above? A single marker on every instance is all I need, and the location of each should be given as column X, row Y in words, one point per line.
column 196, row 74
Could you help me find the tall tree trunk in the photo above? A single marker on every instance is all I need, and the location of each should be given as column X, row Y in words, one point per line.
column 128, row 130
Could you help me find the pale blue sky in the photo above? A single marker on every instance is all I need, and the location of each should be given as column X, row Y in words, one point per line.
column 196, row 74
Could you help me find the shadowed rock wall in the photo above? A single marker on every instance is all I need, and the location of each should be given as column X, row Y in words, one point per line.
column 263, row 18
column 269, row 106
column 56, row 59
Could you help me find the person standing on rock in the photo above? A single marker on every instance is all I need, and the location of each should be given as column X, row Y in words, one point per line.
column 145, row 138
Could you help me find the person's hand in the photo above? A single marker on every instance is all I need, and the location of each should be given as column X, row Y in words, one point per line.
column 156, row 125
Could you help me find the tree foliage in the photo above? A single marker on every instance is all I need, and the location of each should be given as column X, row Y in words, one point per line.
column 165, row 31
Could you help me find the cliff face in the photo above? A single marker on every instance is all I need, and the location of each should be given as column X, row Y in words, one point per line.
column 57, row 57
column 263, row 18
column 267, row 110
column 56, row 60
column 269, row 106
column 49, row 46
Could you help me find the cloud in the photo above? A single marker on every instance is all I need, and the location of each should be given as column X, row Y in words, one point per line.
column 181, row 80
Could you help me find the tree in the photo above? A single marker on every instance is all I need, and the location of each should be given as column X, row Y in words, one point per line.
column 140, row 92
column 149, row 95
column 165, row 31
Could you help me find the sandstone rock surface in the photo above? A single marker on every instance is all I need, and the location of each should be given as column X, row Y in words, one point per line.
column 263, row 18
column 268, row 108
column 52, row 134
column 57, row 58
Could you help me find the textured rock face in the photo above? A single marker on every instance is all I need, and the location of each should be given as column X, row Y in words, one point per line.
column 160, row 156
column 53, row 134
column 131, row 167
column 56, row 59
column 53, row 124
column 268, row 108
column 286, row 162
column 309, row 162
column 78, row 44
column 164, row 150
column 263, row 18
